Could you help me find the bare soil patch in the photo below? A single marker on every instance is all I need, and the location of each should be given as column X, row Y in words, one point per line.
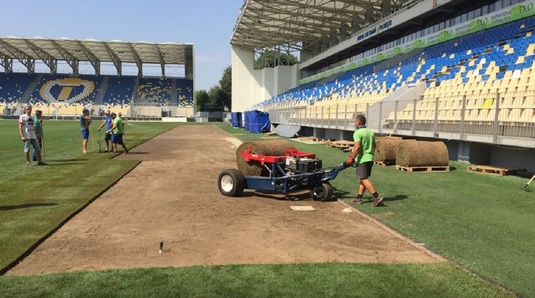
column 172, row 196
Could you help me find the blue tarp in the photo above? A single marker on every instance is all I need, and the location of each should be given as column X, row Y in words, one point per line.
column 257, row 121
column 236, row 119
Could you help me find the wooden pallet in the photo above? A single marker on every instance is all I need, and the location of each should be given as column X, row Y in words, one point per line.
column 270, row 138
column 340, row 144
column 270, row 133
column 311, row 140
column 424, row 169
column 381, row 163
column 491, row 170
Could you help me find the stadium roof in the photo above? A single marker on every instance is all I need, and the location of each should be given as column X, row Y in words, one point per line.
column 268, row 23
column 94, row 51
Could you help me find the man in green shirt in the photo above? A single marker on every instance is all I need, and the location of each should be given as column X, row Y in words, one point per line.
column 38, row 126
column 362, row 155
column 117, row 130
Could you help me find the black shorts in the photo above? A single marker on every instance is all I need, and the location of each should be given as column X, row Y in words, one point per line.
column 364, row 170
column 107, row 137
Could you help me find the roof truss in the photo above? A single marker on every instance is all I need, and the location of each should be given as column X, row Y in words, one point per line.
column 268, row 23
column 50, row 51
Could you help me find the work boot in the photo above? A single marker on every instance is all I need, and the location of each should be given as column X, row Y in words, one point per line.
column 377, row 201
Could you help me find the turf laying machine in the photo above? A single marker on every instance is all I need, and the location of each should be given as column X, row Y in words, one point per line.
column 277, row 166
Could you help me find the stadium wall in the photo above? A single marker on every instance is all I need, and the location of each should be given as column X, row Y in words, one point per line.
column 242, row 78
column 251, row 86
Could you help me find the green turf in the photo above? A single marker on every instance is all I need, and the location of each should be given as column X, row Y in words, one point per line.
column 295, row 280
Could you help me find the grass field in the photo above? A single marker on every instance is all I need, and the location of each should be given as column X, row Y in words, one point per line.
column 481, row 223
column 36, row 199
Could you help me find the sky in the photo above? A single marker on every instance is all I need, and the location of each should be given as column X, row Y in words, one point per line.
column 208, row 24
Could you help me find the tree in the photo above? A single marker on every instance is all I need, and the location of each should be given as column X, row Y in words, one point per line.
column 202, row 99
column 274, row 58
column 226, row 83
column 226, row 86
column 218, row 99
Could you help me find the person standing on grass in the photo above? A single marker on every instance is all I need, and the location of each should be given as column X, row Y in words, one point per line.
column 108, row 121
column 85, row 121
column 362, row 155
column 118, row 130
column 38, row 125
column 28, row 136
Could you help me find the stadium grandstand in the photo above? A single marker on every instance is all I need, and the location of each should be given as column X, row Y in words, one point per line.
column 63, row 76
column 452, row 70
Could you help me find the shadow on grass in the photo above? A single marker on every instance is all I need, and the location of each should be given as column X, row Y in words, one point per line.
column 369, row 200
column 340, row 194
column 396, row 198
column 65, row 164
column 22, row 206
column 70, row 160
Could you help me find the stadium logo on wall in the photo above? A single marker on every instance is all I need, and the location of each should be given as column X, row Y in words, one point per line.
column 68, row 90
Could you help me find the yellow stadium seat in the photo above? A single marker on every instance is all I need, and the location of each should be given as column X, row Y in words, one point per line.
column 480, row 102
column 488, row 103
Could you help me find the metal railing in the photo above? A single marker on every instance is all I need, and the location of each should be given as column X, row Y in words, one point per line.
column 493, row 118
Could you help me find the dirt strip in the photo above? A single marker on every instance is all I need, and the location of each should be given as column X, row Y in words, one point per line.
column 172, row 196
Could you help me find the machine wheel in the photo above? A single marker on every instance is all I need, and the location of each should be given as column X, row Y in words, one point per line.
column 231, row 183
column 322, row 192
